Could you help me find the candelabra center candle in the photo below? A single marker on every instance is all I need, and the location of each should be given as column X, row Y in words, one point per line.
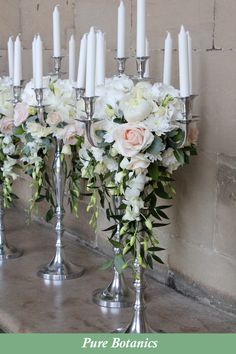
column 56, row 33
column 141, row 28
column 91, row 62
column 121, row 31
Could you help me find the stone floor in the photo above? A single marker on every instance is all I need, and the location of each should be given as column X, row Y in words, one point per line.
column 29, row 304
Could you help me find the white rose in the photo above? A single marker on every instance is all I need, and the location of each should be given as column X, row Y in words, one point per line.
column 135, row 109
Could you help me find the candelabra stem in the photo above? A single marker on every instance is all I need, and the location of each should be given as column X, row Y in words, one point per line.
column 139, row 322
column 59, row 268
column 6, row 252
column 117, row 294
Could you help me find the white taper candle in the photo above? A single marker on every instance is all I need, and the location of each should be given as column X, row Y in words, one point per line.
column 39, row 63
column 72, row 59
column 183, row 63
column 17, row 62
column 190, row 63
column 100, row 58
column 121, row 31
column 91, row 63
column 141, row 28
column 82, row 62
column 56, row 32
column 10, row 48
column 168, row 60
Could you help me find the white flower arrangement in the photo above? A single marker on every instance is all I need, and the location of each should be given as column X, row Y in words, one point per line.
column 38, row 137
column 139, row 144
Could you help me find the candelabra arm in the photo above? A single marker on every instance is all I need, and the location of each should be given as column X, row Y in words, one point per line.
column 16, row 95
column 141, row 68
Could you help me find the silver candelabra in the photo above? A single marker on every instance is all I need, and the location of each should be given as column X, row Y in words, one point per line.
column 59, row 268
column 6, row 251
column 116, row 294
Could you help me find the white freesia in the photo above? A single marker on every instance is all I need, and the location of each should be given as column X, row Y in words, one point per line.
column 132, row 211
column 137, row 163
column 169, row 160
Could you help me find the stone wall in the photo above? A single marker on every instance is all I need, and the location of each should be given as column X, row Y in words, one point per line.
column 201, row 242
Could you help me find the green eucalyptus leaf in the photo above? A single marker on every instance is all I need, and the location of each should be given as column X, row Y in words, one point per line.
column 156, row 147
column 106, row 265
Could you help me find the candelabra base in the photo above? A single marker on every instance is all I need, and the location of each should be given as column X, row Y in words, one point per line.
column 60, row 270
column 9, row 252
column 138, row 325
column 110, row 298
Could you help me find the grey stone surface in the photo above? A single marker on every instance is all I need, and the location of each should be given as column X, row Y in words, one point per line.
column 29, row 304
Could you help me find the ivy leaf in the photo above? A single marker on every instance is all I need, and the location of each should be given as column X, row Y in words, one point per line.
column 156, row 147
column 119, row 263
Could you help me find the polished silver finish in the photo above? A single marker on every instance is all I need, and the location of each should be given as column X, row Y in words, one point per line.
column 57, row 67
column 59, row 268
column 188, row 117
column 16, row 90
column 6, row 251
column 40, row 106
column 121, row 65
column 141, row 68
column 139, row 322
column 116, row 294
column 89, row 103
column 79, row 93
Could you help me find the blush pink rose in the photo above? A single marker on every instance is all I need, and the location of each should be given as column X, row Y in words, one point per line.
column 72, row 131
column 6, row 125
column 54, row 118
column 21, row 113
column 131, row 138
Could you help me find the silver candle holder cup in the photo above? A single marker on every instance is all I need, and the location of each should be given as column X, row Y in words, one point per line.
column 121, row 62
column 141, row 68
column 188, row 117
column 16, row 92
column 57, row 61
